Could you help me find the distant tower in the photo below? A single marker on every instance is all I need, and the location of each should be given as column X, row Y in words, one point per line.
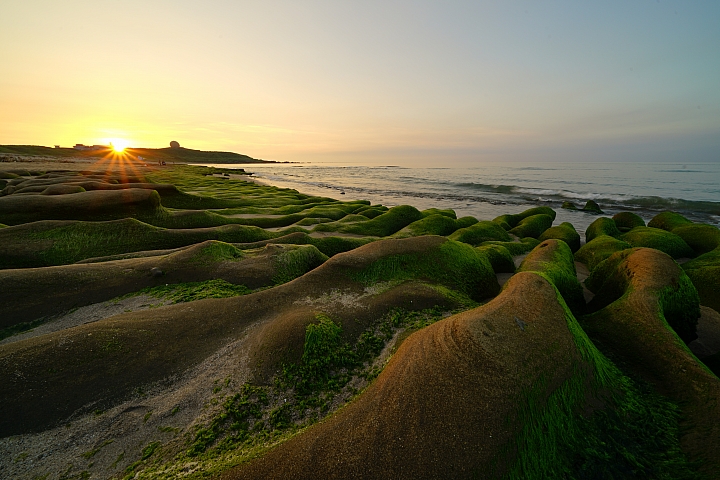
column 174, row 144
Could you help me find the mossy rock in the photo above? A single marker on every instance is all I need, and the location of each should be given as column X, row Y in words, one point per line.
column 7, row 175
column 592, row 207
column 704, row 271
column 702, row 238
column 568, row 206
column 464, row 222
column 383, row 225
column 455, row 265
column 446, row 212
column 612, row 279
column 481, row 232
column 514, row 220
column 371, row 211
column 668, row 221
column 500, row 258
column 62, row 190
column 554, row 260
column 602, row 226
column 565, row 232
column 626, row 221
column 516, row 248
column 296, row 261
column 434, row 224
column 598, row 249
column 532, row 226
column 658, row 239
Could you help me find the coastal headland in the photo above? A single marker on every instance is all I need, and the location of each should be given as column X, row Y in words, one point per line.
column 176, row 321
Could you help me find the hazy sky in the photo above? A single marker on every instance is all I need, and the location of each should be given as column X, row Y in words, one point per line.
column 368, row 82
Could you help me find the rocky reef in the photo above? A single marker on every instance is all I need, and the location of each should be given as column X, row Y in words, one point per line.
column 184, row 323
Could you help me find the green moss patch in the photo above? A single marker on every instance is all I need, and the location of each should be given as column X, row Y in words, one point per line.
column 626, row 221
column 512, row 221
column 435, row 224
column 565, row 232
column 499, row 256
column 532, row 226
column 480, row 232
column 554, row 259
column 658, row 239
column 598, row 249
column 453, row 264
column 601, row 226
column 668, row 221
column 516, row 248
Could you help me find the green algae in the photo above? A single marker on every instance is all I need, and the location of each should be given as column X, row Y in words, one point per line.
column 626, row 221
column 532, row 226
column 601, row 226
column 499, row 256
column 598, row 249
column 658, row 239
column 69, row 242
column 516, row 248
column 295, row 262
column 565, row 232
column 668, row 221
column 217, row 251
column 592, row 207
column 383, row 225
column 509, row 221
column 554, row 259
column 435, row 224
column 191, row 291
column 630, row 432
column 453, row 264
column 480, row 232
column 446, row 212
column 702, row 238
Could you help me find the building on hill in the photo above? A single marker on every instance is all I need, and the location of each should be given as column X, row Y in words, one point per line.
column 89, row 148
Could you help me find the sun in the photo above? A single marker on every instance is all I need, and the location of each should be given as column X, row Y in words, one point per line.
column 118, row 144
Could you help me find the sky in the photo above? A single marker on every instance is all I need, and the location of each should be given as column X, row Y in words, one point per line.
column 368, row 82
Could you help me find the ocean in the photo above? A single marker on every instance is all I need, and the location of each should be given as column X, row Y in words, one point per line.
column 488, row 190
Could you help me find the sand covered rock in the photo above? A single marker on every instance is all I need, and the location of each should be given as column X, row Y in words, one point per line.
column 135, row 349
column 71, row 286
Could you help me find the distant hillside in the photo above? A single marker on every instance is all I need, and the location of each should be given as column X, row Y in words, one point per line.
column 184, row 155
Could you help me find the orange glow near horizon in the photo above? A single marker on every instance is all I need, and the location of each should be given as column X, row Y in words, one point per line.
column 118, row 144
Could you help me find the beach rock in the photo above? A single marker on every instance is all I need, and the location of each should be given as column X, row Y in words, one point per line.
column 668, row 221
column 637, row 299
column 569, row 206
column 565, row 232
column 516, row 248
column 659, row 239
column 554, row 259
column 156, row 272
column 592, row 207
column 510, row 221
column 626, row 221
column 532, row 226
column 500, row 258
column 480, row 232
column 601, row 226
column 440, row 408
column 598, row 249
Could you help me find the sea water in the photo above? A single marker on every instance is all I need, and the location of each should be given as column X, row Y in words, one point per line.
column 488, row 190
